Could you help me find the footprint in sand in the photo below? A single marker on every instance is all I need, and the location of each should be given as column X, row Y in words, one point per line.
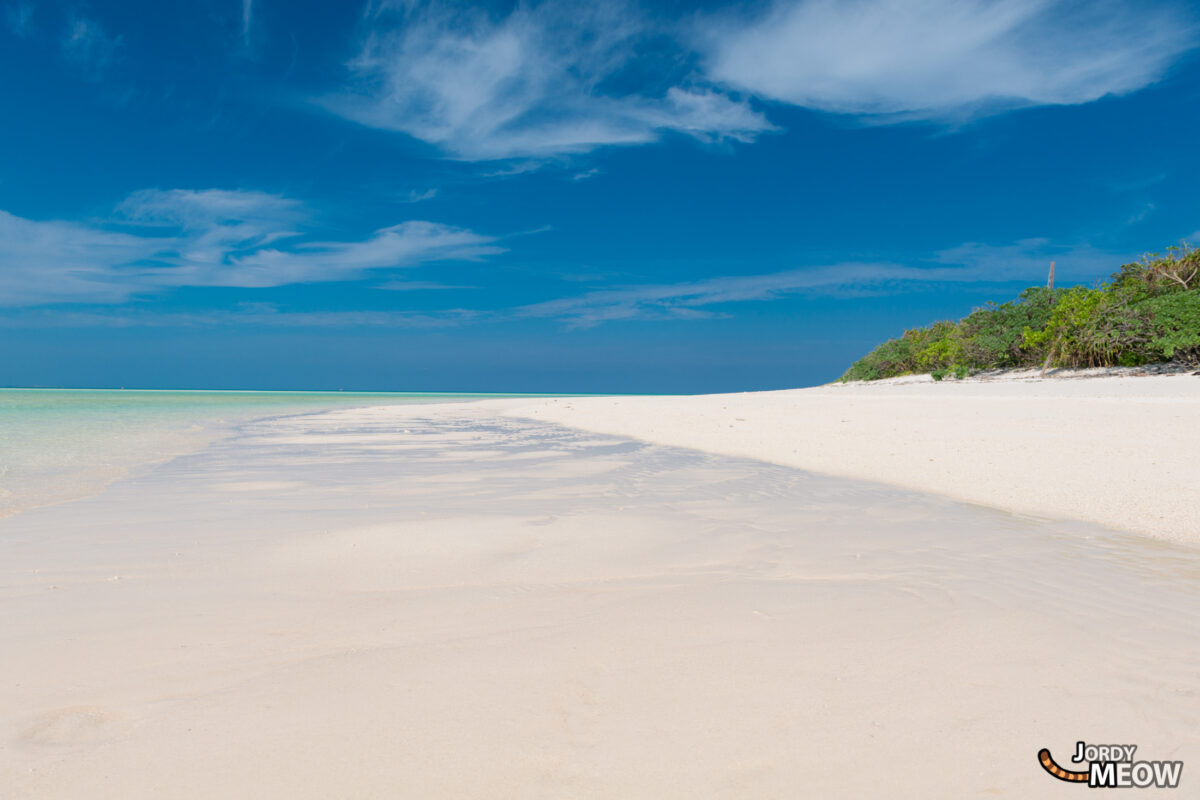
column 579, row 714
column 72, row 726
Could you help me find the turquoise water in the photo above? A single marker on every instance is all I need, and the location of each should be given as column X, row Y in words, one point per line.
column 60, row 444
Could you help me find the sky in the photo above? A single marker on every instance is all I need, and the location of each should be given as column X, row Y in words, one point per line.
column 564, row 196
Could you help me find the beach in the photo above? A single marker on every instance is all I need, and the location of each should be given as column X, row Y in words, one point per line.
column 575, row 400
column 757, row 595
column 1118, row 449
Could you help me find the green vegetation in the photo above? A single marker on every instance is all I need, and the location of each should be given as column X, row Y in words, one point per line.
column 1148, row 312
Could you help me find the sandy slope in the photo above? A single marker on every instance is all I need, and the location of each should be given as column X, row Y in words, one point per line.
column 1119, row 451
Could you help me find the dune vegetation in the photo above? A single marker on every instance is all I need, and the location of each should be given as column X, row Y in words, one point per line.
column 1148, row 312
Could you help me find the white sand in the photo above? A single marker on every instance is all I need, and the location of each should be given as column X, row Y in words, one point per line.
column 439, row 602
column 1119, row 451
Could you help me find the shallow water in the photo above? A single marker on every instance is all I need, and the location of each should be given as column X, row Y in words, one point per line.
column 59, row 444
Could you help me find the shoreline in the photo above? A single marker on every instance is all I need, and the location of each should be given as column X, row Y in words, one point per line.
column 1114, row 449
column 1072, row 475
column 63, row 445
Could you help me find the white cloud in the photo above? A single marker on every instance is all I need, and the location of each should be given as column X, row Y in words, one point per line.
column 1029, row 260
column 48, row 262
column 406, row 244
column 163, row 239
column 937, row 59
column 416, row 197
column 560, row 77
column 217, row 238
column 214, row 226
column 513, row 168
column 546, row 80
column 1025, row 261
column 88, row 46
column 198, row 207
column 687, row 299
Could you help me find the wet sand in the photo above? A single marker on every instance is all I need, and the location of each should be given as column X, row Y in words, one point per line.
column 445, row 602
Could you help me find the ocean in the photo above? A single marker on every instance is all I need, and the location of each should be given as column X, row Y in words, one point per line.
column 62, row 444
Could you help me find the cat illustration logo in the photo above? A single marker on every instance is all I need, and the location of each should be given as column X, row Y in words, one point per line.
column 1111, row 766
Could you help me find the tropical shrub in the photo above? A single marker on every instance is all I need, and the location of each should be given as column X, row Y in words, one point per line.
column 993, row 336
column 1093, row 328
column 941, row 347
column 1148, row 312
column 1176, row 324
column 1157, row 274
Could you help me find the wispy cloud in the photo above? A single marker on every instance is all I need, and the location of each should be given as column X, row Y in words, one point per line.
column 1137, row 184
column 88, row 46
column 163, row 239
column 1026, row 260
column 49, row 262
column 556, row 78
column 247, row 19
column 253, row 314
column 545, row 80
column 416, row 197
column 690, row 299
column 1029, row 260
column 19, row 18
column 938, row 59
column 406, row 244
column 414, row 286
column 235, row 214
column 1143, row 211
column 513, row 168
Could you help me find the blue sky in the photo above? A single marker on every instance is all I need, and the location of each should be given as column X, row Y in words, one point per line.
column 558, row 196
